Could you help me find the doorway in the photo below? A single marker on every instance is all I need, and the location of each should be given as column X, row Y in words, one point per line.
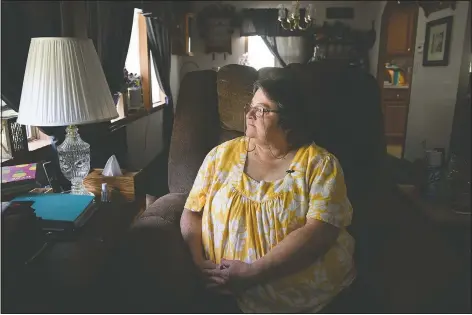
column 395, row 70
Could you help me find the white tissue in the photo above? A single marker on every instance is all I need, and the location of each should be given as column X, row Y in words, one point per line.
column 112, row 168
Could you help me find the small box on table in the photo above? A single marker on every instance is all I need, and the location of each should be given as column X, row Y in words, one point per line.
column 128, row 185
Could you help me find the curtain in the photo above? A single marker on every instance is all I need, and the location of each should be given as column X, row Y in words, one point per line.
column 295, row 49
column 109, row 26
column 264, row 23
column 159, row 43
column 271, row 43
column 22, row 20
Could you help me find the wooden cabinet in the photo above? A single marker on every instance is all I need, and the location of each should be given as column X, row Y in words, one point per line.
column 395, row 114
column 395, row 105
column 218, row 35
column 397, row 47
column 182, row 30
column 397, row 95
column 182, row 34
column 401, row 30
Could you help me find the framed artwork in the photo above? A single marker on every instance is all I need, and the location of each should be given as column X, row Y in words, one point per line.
column 434, row 6
column 437, row 42
column 216, row 23
column 218, row 37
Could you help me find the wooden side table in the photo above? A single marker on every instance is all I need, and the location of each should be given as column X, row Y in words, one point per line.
column 63, row 278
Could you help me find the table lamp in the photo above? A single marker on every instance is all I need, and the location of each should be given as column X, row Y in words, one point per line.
column 64, row 85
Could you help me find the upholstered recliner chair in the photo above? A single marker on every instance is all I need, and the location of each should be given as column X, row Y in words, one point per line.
column 347, row 120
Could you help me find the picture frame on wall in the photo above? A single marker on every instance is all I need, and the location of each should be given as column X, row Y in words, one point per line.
column 437, row 42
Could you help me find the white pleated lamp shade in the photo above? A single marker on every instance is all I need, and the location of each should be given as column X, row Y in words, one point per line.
column 64, row 84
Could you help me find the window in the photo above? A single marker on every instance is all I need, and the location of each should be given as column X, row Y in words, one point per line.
column 470, row 62
column 6, row 145
column 259, row 56
column 158, row 97
column 36, row 138
column 31, row 132
column 139, row 61
column 132, row 59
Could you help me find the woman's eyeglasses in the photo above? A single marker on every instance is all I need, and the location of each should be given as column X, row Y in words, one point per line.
column 259, row 110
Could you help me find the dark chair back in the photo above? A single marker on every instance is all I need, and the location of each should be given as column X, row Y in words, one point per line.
column 343, row 101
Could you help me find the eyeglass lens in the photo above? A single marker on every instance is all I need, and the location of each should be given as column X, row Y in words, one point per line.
column 259, row 111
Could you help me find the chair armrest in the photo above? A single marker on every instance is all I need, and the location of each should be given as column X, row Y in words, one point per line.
column 160, row 275
column 168, row 207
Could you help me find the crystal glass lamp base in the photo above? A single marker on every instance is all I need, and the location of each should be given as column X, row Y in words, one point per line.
column 74, row 160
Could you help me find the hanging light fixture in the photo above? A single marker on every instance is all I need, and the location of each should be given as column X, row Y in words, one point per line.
column 292, row 21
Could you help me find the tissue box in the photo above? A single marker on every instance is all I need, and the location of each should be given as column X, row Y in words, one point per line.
column 127, row 184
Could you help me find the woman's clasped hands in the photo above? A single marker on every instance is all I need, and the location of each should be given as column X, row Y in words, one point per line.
column 229, row 277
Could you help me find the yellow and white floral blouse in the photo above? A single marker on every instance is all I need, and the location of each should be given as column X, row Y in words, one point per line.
column 244, row 219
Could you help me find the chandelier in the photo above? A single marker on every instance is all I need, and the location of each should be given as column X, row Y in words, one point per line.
column 292, row 22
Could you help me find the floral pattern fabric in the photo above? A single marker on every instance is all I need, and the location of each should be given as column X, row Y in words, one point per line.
column 244, row 219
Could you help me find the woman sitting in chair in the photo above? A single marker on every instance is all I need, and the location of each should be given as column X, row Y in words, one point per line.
column 266, row 218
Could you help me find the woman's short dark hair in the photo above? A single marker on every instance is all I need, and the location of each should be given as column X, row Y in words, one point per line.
column 286, row 92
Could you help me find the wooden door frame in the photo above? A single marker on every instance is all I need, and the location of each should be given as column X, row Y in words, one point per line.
column 388, row 8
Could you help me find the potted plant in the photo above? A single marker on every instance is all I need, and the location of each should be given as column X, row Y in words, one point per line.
column 133, row 90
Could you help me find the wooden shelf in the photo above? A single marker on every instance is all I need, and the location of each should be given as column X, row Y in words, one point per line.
column 396, row 86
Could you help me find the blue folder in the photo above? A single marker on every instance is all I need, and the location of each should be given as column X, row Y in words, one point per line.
column 58, row 207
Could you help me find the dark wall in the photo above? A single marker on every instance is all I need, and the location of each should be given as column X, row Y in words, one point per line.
column 460, row 135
